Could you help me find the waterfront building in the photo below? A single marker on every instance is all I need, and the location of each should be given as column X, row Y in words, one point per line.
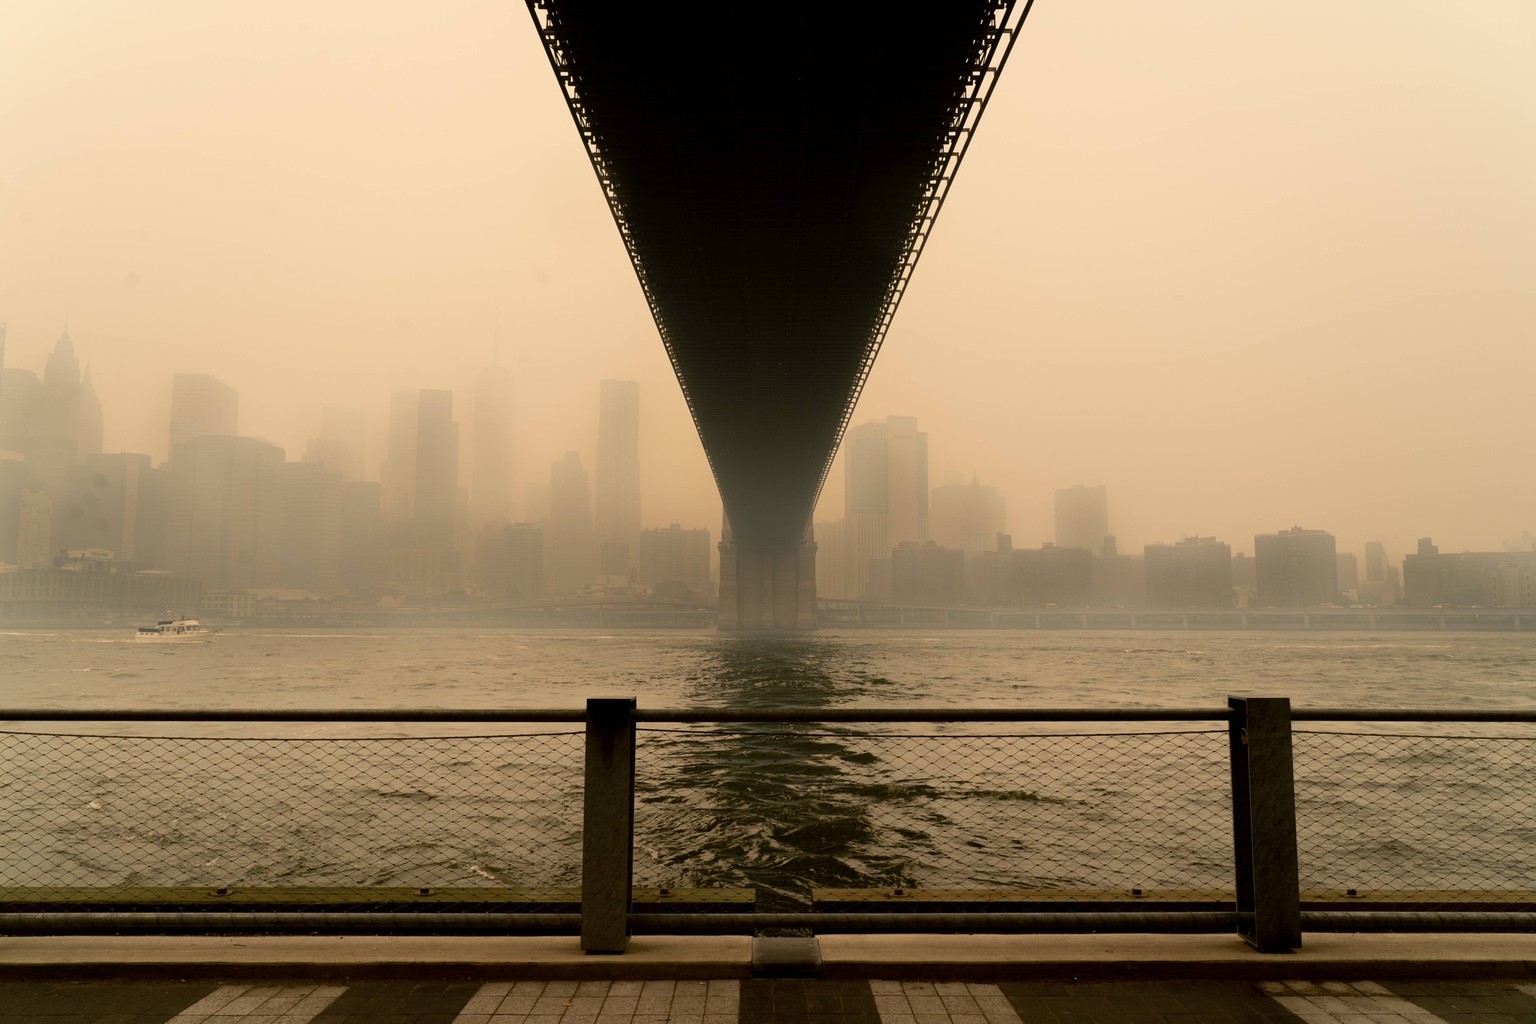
column 12, row 484
column 202, row 406
column 1296, row 568
column 1051, row 576
column 1194, row 573
column 312, row 528
column 885, row 498
column 926, row 574
column 966, row 516
column 91, row 588
column 1244, row 581
column 616, row 478
column 1488, row 579
column 675, row 561
column 1119, row 581
column 490, row 496
column 570, row 552
column 1082, row 518
column 225, row 512
column 34, row 530
column 424, row 572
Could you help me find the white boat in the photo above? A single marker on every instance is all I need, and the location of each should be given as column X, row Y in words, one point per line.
column 175, row 629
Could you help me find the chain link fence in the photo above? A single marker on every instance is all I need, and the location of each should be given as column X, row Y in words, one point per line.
column 1438, row 821
column 197, row 823
column 853, row 819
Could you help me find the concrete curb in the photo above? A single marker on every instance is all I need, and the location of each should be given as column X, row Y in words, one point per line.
column 909, row 957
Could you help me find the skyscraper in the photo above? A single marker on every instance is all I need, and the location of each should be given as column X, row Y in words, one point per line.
column 885, row 498
column 1082, row 518
column 64, row 418
column 490, row 496
column 616, row 483
column 569, row 548
column 345, row 431
column 966, row 516
column 437, row 471
column 421, row 473
column 201, row 406
column 226, row 512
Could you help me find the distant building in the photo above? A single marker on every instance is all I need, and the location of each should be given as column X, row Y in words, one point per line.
column 1349, row 576
column 1194, row 573
column 421, row 474
column 1487, row 579
column 312, row 528
column 345, row 433
column 490, row 496
column 512, row 559
column 616, row 477
column 1380, row 587
column 1245, row 578
column 1082, row 518
column 966, row 516
column 885, row 498
column 202, row 406
column 1296, row 568
column 225, row 512
column 1052, row 576
column 116, row 502
column 424, row 572
column 832, row 559
column 676, row 556
column 926, row 574
column 570, row 551
column 1119, row 581
column 362, row 557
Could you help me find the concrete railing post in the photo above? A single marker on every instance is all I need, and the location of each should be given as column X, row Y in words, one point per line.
column 1264, row 823
column 608, row 825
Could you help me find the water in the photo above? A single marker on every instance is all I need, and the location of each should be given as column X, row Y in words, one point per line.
column 525, row 668
column 1064, row 808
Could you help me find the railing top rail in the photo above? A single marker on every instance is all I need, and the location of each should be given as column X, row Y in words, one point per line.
column 1411, row 715
column 744, row 715
column 496, row 715
column 676, row 715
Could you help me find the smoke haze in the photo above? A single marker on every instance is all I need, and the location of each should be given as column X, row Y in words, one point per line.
column 1245, row 265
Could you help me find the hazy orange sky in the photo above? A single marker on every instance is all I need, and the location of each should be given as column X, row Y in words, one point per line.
column 1249, row 265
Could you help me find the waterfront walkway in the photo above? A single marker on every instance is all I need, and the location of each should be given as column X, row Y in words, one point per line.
column 1342, row 979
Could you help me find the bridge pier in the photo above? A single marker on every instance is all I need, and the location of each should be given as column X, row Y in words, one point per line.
column 767, row 586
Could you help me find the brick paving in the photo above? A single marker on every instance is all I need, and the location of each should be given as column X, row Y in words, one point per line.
column 775, row 1001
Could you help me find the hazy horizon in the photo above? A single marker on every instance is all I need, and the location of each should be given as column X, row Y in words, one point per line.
column 1248, row 268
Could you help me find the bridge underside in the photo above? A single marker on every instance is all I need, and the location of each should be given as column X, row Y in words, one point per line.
column 774, row 172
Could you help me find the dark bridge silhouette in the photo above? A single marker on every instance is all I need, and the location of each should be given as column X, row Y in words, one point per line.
column 774, row 173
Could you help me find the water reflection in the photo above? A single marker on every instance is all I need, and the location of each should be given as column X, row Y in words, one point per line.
column 772, row 806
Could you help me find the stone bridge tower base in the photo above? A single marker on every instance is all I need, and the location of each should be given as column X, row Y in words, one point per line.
column 767, row 587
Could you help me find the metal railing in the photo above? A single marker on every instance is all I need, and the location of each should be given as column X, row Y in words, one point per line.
column 616, row 820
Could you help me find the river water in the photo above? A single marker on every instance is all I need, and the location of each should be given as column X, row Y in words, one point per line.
column 1063, row 807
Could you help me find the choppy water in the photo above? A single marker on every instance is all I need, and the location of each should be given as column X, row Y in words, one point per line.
column 1059, row 807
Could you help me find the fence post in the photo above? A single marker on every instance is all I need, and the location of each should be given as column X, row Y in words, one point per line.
column 607, row 825
column 1264, row 823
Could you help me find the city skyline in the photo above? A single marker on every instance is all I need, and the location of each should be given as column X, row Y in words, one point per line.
column 203, row 399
